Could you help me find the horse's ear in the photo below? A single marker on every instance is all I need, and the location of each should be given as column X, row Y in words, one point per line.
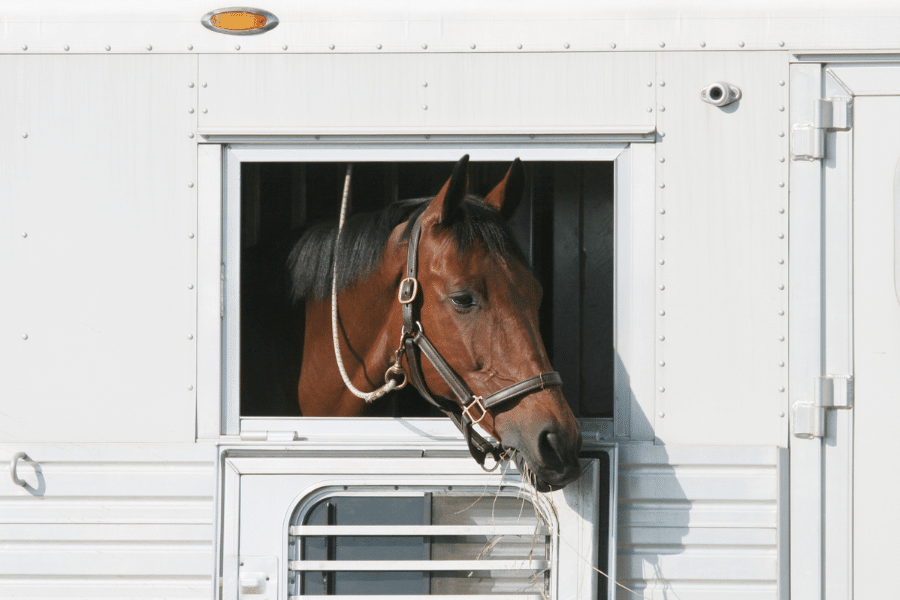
column 508, row 193
column 445, row 207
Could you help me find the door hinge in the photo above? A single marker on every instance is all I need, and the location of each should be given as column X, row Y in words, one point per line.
column 808, row 139
column 831, row 391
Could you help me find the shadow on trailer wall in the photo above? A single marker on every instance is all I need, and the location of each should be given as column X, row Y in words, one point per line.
column 564, row 226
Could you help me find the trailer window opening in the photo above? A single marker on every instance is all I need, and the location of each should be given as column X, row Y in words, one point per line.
column 564, row 225
column 417, row 541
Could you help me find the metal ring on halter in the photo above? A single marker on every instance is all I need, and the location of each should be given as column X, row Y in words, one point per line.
column 396, row 370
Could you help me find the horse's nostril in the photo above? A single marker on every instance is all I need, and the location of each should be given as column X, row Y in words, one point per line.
column 550, row 450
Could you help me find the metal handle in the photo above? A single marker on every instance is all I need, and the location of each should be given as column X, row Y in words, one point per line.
column 12, row 468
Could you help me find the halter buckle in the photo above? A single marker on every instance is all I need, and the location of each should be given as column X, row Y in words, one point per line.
column 476, row 401
column 412, row 294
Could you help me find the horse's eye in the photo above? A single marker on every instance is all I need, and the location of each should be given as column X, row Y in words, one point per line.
column 463, row 300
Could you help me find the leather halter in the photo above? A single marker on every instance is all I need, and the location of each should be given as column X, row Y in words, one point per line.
column 474, row 408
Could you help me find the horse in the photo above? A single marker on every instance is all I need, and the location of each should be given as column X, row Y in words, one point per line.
column 463, row 279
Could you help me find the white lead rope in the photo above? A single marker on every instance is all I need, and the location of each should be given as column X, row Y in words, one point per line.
column 391, row 383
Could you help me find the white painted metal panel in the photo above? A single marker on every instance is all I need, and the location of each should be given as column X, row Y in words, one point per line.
column 876, row 410
column 98, row 245
column 107, row 520
column 701, row 521
column 448, row 93
column 722, row 294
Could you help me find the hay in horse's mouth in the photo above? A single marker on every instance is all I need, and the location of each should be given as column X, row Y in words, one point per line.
column 527, row 473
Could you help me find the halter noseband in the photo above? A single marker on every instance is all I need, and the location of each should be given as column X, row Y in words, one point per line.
column 415, row 342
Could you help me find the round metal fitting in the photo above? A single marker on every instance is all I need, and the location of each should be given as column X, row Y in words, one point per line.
column 191, row 135
column 424, row 84
column 720, row 93
column 566, row 45
column 662, row 338
column 662, row 84
column 662, row 287
column 190, row 184
column 662, row 363
column 781, row 109
column 149, row 47
column 662, row 185
column 781, row 211
column 24, row 47
column 781, row 414
column 780, row 338
column 24, row 135
column 108, row 47
column 190, row 286
column 662, row 262
column 662, row 389
column 780, row 261
column 781, row 363
column 190, row 388
column 662, row 237
column 203, row 84
column 190, row 46
column 424, row 107
column 662, row 44
column 781, row 82
column 662, row 415
column 613, row 45
column 424, row 46
column 649, row 109
column 781, row 44
column 662, row 160
column 662, row 134
column 66, row 47
column 703, row 44
column 190, row 111
column 780, row 134
column 780, row 313
column 781, row 184
column 237, row 46
column 780, row 159
column 377, row 47
column 24, row 234
column 191, row 235
column 662, row 211
column 741, row 44
column 284, row 46
column 331, row 46
column 662, row 109
column 191, row 84
column 662, row 313
column 205, row 111
column 780, row 236
column 781, row 389
column 519, row 46
column 24, row 336
column 190, row 336
column 780, row 287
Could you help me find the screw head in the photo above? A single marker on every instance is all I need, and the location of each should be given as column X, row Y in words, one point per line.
column 191, row 84
column 781, row 211
column 662, row 109
column 781, row 389
column 191, row 135
column 780, row 338
column 331, row 46
column 284, row 47
column 781, row 363
column 190, row 184
column 662, row 363
column 703, row 44
column 781, row 287
column 203, row 84
column 649, row 84
column 24, row 234
column 662, row 237
column 24, row 336
column 780, row 236
column 519, row 46
column 649, row 109
column 149, row 47
column 190, row 336
column 662, row 415
column 424, row 46
column 472, row 46
column 662, row 287
column 613, row 45
column 662, row 262
column 205, row 111
column 662, row 211
column 191, row 111
column 377, row 47
column 237, row 46
column 662, row 84
column 781, row 44
column 424, row 84
column 566, row 45
column 662, row 389
column 780, row 313
column 24, row 135
column 781, row 82
column 190, row 286
column 24, row 47
column 662, row 313
column 190, row 388
column 662, row 160
column 190, row 46
column 66, row 47
column 781, row 108
column 662, row 185
column 424, row 107
column 108, row 48
column 662, row 338
column 662, row 44
column 741, row 44
column 191, row 235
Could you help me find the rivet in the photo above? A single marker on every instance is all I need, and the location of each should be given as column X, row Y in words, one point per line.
column 781, row 287
column 780, row 313
column 780, row 184
column 662, row 363
column 662, row 134
column 566, row 45
column 780, row 159
column 780, row 236
column 649, row 109
column 24, row 234
column 424, row 84
column 519, row 46
column 191, row 135
column 205, row 111
column 662, row 44
column 191, row 84
column 662, row 313
column 781, row 108
column 662, row 287
column 703, row 44
column 190, row 336
column 662, row 185
column 331, row 46
column 649, row 84
column 424, row 46
column 191, row 235
column 24, row 135
column 66, row 47
column 741, row 44
column 662, row 389
column 780, row 261
column 781, row 363
column 149, row 47
column 662, row 160
column 24, row 47
column 781, row 211
column 662, row 262
column 662, row 237
column 190, row 388
column 781, row 414
column 781, row 44
column 108, row 48
column 780, row 134
column 378, row 46
column 190, row 46
column 613, row 45
column 237, row 46
column 780, row 338
column 662, row 211
column 781, row 389
column 190, row 111
column 190, row 184
column 781, row 82
column 203, row 84
column 24, row 336
column 190, row 286
column 662, row 109
column 662, row 415
column 662, row 338
column 284, row 46
column 424, row 107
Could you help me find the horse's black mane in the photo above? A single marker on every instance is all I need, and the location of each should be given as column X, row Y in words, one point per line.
column 365, row 235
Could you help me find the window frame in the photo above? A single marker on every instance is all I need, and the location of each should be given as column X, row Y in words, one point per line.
column 219, row 274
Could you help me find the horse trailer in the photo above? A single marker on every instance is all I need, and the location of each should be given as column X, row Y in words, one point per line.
column 704, row 201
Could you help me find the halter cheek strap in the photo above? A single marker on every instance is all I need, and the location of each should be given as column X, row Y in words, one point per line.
column 474, row 408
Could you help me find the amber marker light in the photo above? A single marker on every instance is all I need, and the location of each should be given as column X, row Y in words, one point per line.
column 239, row 21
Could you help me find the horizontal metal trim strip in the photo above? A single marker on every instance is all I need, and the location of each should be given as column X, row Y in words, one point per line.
column 215, row 132
column 418, row 565
column 414, row 530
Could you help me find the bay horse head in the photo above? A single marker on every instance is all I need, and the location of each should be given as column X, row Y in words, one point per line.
column 468, row 304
